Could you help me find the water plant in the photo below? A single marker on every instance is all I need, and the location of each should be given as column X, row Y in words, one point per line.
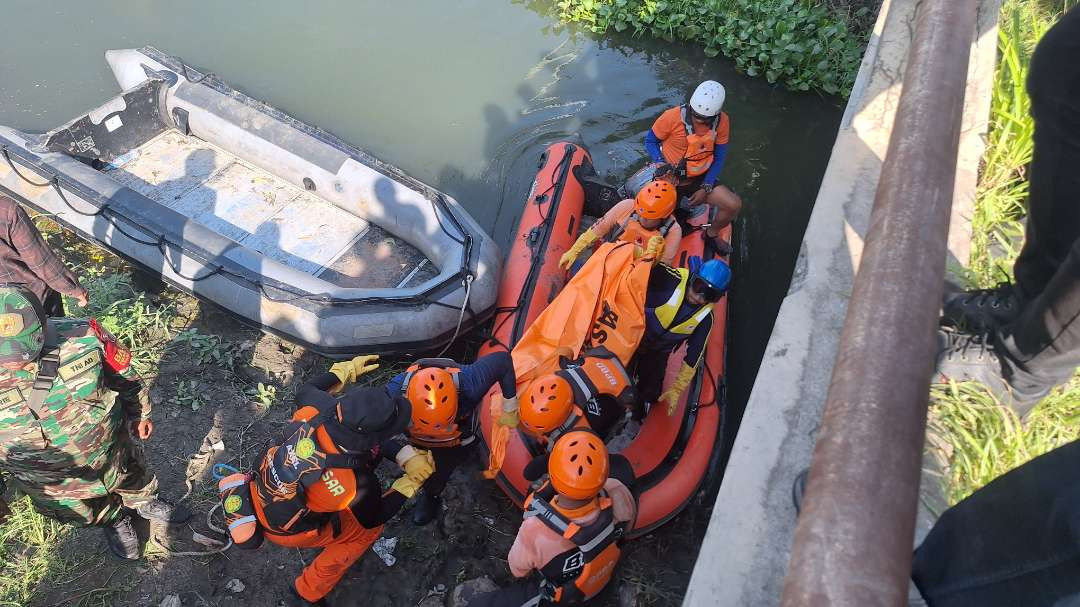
column 802, row 44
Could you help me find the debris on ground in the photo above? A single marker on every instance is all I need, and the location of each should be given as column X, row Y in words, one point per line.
column 384, row 547
column 171, row 600
column 466, row 591
column 436, row 597
column 234, row 585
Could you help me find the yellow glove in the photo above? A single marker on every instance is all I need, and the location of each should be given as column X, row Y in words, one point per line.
column 583, row 242
column 348, row 370
column 406, row 486
column 509, row 419
column 418, row 464
column 655, row 247
column 675, row 390
column 508, row 410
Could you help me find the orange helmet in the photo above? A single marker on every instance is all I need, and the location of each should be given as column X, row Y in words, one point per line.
column 656, row 200
column 434, row 401
column 578, row 465
column 547, row 404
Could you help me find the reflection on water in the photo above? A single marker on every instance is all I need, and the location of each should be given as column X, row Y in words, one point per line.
column 461, row 95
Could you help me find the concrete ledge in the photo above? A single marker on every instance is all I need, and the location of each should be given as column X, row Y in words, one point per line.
column 744, row 556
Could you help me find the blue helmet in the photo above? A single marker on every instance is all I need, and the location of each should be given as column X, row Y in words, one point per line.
column 716, row 275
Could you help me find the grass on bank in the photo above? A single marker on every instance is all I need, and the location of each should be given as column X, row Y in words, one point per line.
column 802, row 44
column 979, row 438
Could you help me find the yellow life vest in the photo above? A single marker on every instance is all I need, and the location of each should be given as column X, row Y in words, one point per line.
column 665, row 313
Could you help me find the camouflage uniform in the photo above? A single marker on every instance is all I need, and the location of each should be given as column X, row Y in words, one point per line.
column 79, row 464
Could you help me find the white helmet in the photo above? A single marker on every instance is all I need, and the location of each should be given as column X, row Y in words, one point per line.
column 708, row 98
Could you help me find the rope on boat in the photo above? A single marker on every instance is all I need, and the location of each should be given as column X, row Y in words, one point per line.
column 11, row 164
column 184, row 71
column 461, row 317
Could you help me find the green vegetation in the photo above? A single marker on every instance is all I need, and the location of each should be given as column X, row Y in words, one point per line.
column 803, row 44
column 25, row 549
column 984, row 440
column 978, row 437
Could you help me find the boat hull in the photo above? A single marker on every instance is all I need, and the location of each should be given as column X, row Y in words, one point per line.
column 60, row 173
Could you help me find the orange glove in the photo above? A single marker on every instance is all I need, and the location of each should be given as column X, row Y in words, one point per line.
column 500, row 438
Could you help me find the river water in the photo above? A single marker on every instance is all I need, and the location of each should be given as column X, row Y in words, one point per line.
column 462, row 95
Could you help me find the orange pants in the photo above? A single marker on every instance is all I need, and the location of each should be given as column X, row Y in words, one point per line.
column 338, row 554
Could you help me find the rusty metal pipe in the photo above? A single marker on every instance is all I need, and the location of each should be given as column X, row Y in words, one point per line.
column 854, row 537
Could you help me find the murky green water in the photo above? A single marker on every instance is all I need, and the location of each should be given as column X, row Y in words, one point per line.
column 462, row 95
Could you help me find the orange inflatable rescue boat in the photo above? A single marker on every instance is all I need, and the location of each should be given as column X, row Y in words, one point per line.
column 671, row 455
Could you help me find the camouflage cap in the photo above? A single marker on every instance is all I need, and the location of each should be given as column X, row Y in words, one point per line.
column 22, row 333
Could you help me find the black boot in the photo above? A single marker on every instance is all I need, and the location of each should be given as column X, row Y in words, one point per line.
column 980, row 358
column 122, row 537
column 163, row 512
column 981, row 310
column 295, row 600
column 426, row 508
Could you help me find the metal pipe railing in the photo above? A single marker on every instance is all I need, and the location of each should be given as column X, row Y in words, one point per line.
column 853, row 542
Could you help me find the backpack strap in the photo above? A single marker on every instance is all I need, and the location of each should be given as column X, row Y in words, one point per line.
column 619, row 229
column 48, row 369
column 667, row 225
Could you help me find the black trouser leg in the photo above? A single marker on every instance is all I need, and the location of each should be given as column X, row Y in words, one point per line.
column 1042, row 347
column 1053, row 221
column 651, row 369
column 447, row 459
column 1014, row 542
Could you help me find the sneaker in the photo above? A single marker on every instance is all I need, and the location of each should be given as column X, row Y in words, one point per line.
column 163, row 512
column 426, row 508
column 972, row 357
column 981, row 310
column 295, row 600
column 122, row 538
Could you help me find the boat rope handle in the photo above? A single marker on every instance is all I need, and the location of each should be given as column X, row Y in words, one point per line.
column 184, row 71
column 461, row 317
column 7, row 157
column 60, row 192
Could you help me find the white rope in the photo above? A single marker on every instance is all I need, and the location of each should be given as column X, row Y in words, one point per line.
column 461, row 316
column 212, row 526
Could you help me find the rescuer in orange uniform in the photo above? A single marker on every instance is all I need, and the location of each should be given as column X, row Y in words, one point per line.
column 318, row 488
column 589, row 393
column 692, row 139
column 635, row 220
column 571, row 527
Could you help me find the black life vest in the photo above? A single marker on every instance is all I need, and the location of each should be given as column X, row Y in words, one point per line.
column 581, row 573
